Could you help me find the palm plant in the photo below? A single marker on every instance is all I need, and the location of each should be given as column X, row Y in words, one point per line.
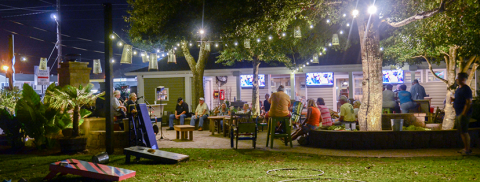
column 69, row 98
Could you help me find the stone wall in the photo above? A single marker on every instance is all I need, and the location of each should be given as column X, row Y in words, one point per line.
column 94, row 129
column 358, row 140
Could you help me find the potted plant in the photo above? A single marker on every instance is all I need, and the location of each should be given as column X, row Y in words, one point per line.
column 71, row 99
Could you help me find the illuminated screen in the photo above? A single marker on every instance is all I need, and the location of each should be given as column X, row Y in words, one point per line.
column 247, row 80
column 393, row 76
column 319, row 79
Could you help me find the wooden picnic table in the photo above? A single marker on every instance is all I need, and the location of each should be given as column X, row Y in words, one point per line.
column 215, row 120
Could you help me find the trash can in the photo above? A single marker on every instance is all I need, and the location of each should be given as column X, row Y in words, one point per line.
column 397, row 124
column 101, row 158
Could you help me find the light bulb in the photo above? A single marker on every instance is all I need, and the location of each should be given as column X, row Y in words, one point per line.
column 178, row 44
column 328, row 20
column 163, row 55
column 381, row 48
column 216, row 44
column 311, row 60
column 235, row 43
column 284, row 34
column 113, row 60
column 142, row 54
column 158, row 50
column 120, row 43
column 355, row 13
column 112, row 36
column 134, row 52
column 202, row 31
column 258, row 40
column 372, row 9
column 308, row 63
column 320, row 54
column 341, row 32
column 190, row 44
column 175, row 48
column 330, row 44
column 270, row 37
column 24, row 58
column 311, row 26
column 304, row 66
column 348, row 24
column 324, row 49
column 158, row 56
column 344, row 15
column 148, row 56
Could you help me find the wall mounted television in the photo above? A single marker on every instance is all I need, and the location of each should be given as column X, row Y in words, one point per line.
column 319, row 79
column 246, row 81
column 393, row 76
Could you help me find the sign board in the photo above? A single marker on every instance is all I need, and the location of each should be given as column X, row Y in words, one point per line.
column 42, row 77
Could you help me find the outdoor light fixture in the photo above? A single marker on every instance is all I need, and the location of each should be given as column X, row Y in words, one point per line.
column 284, row 34
column 158, row 56
column 341, row 32
column 330, row 44
column 381, row 48
column 258, row 40
column 320, row 54
column 54, row 16
column 311, row 60
column 308, row 63
column 270, row 37
column 311, row 26
column 355, row 13
column 304, row 66
column 148, row 56
column 5, row 68
column 178, row 44
column 372, row 9
column 175, row 48
column 216, row 44
column 112, row 36
column 113, row 60
column 24, row 58
column 158, row 50
column 163, row 55
column 142, row 54
column 328, row 20
column 324, row 49
column 344, row 15
column 134, row 52
column 201, row 31
column 235, row 43
column 348, row 24
column 190, row 44
column 120, row 44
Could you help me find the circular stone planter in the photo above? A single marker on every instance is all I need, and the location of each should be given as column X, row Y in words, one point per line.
column 358, row 140
column 73, row 145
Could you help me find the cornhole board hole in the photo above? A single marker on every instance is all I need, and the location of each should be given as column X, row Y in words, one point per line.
column 89, row 170
column 153, row 154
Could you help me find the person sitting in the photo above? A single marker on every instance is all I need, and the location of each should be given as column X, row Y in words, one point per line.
column 119, row 108
column 223, row 112
column 406, row 102
column 347, row 114
column 356, row 108
column 201, row 113
column 326, row 118
column 389, row 99
column 417, row 91
column 131, row 105
column 280, row 102
column 245, row 109
column 266, row 104
column 312, row 121
column 181, row 110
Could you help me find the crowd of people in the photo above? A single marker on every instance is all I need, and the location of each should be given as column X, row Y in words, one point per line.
column 401, row 100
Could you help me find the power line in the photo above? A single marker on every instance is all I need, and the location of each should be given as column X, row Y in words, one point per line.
column 24, row 8
column 46, row 2
column 11, row 9
column 27, row 14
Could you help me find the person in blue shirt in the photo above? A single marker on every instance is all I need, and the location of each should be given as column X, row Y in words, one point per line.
column 406, row 102
column 462, row 104
column 418, row 92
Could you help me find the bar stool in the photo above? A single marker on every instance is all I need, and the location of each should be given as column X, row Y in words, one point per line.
column 287, row 127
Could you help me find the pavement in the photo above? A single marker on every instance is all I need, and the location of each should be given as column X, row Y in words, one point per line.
column 205, row 139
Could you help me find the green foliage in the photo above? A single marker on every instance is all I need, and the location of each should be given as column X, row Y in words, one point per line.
column 12, row 128
column 415, row 128
column 476, row 107
column 67, row 98
column 9, row 98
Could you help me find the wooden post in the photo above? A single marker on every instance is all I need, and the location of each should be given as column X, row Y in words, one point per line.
column 109, row 99
column 11, row 63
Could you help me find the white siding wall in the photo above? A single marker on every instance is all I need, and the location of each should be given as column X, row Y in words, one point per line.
column 325, row 92
column 229, row 86
column 436, row 90
column 246, row 93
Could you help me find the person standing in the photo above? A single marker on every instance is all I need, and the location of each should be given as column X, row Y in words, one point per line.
column 180, row 113
column 266, row 104
column 462, row 104
column 417, row 91
column 201, row 113
column 406, row 102
column 347, row 113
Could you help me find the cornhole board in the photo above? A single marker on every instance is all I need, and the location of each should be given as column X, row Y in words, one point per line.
column 156, row 155
column 89, row 170
column 146, row 124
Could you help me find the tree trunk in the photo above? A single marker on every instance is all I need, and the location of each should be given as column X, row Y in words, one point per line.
column 472, row 75
column 370, row 113
column 451, row 60
column 255, row 89
column 76, row 116
column 197, row 68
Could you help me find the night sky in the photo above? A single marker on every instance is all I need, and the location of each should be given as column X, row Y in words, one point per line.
column 79, row 18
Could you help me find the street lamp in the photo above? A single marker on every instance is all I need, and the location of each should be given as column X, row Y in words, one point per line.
column 201, row 31
column 5, row 68
column 372, row 9
column 355, row 13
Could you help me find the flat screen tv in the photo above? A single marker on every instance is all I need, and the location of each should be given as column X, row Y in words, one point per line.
column 393, row 76
column 319, row 79
column 246, row 81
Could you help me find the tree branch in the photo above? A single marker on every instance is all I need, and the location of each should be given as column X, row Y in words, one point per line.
column 431, row 70
column 420, row 16
column 190, row 60
column 468, row 63
column 472, row 74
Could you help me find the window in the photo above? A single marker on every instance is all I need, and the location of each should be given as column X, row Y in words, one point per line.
column 439, row 72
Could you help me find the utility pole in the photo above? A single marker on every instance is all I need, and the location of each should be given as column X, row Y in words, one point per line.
column 11, row 56
column 59, row 37
column 109, row 99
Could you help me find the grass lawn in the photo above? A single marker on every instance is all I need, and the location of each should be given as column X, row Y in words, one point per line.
column 251, row 165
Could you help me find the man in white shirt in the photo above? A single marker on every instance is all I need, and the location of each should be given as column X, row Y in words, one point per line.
column 119, row 108
column 201, row 113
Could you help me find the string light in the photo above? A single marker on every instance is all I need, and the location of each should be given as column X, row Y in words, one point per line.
column 216, row 44
column 158, row 50
column 120, row 44
column 311, row 26
column 178, row 44
column 163, row 55
column 330, row 44
column 341, row 32
column 284, row 34
column 142, row 54
column 328, row 20
column 202, row 31
column 235, row 43
column 24, row 58
column 112, row 36
column 225, row 45
column 320, row 54
column 348, row 24
column 148, row 56
column 258, row 40
column 324, row 49
column 134, row 52
column 311, row 60
column 270, row 37
column 355, row 13
column 190, row 44
column 175, row 48
column 308, row 63
column 113, row 60
column 372, row 9
column 158, row 56
column 381, row 48
column 304, row 66
column 344, row 15
column 167, row 53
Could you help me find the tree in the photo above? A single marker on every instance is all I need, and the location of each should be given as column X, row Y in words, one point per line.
column 177, row 25
column 69, row 98
column 451, row 37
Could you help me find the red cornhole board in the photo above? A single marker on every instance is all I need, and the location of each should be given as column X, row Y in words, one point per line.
column 89, row 170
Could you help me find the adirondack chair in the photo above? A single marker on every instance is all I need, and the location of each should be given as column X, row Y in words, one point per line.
column 245, row 128
column 296, row 112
